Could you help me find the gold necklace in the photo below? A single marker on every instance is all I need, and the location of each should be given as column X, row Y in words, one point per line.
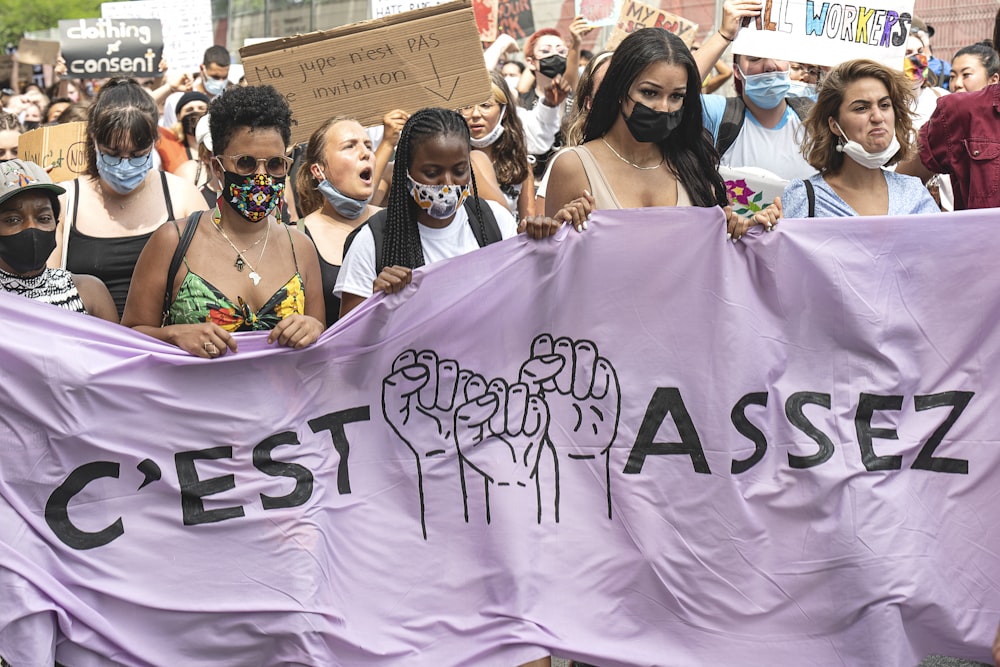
column 123, row 200
column 240, row 261
column 629, row 162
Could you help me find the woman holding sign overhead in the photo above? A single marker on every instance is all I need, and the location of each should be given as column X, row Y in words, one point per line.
column 110, row 212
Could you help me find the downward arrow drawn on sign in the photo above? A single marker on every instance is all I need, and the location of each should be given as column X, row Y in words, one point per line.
column 438, row 78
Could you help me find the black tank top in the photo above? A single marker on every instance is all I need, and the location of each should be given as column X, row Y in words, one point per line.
column 329, row 273
column 110, row 259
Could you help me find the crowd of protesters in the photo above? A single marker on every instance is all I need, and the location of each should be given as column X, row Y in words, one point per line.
column 196, row 218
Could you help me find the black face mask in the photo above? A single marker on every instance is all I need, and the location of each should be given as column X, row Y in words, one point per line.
column 651, row 126
column 189, row 122
column 28, row 250
column 30, row 125
column 552, row 66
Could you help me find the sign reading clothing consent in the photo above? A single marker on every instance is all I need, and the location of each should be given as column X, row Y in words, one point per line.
column 726, row 454
column 822, row 32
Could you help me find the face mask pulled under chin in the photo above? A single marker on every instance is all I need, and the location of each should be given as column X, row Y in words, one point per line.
column 857, row 152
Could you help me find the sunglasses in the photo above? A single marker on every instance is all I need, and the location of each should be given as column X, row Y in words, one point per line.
column 244, row 165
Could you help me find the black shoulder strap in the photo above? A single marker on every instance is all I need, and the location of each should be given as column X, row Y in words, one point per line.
column 175, row 261
column 377, row 224
column 811, row 196
column 731, row 124
column 489, row 221
column 166, row 195
column 800, row 105
column 76, row 200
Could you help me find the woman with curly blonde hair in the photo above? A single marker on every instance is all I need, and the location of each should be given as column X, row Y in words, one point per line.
column 861, row 122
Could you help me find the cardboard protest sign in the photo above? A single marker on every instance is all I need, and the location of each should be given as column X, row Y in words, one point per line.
column 6, row 67
column 828, row 33
column 599, row 12
column 382, row 8
column 62, row 146
column 37, row 51
column 636, row 15
column 187, row 29
column 426, row 58
column 515, row 18
column 95, row 48
column 486, row 19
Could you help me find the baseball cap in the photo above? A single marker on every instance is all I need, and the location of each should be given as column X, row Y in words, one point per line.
column 17, row 176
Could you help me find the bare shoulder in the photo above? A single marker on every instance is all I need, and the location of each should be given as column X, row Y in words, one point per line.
column 96, row 298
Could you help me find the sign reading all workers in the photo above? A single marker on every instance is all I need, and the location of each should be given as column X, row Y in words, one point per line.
column 96, row 48
column 425, row 58
column 829, row 32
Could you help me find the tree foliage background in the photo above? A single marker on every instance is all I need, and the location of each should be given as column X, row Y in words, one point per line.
column 20, row 16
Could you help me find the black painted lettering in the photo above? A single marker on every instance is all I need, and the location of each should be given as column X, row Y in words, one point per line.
column 749, row 431
column 194, row 489
column 666, row 400
column 57, row 508
column 867, row 405
column 334, row 422
column 303, row 478
column 958, row 400
column 793, row 411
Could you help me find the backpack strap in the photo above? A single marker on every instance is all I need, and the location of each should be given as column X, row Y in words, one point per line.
column 489, row 221
column 376, row 223
column 810, row 196
column 175, row 262
column 731, row 124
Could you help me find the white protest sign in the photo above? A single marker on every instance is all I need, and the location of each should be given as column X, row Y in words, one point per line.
column 186, row 34
column 828, row 33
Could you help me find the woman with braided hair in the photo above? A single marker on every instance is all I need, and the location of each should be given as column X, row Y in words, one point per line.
column 434, row 212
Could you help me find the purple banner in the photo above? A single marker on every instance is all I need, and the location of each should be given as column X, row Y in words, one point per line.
column 639, row 445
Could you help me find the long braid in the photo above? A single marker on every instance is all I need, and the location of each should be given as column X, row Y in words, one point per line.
column 402, row 235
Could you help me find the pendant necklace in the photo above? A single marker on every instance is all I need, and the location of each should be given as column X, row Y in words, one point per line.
column 240, row 260
column 629, row 162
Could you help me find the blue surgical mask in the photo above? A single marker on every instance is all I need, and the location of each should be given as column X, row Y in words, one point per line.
column 767, row 89
column 212, row 86
column 348, row 207
column 123, row 177
column 802, row 89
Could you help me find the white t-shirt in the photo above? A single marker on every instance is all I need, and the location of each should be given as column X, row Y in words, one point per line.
column 357, row 273
column 775, row 149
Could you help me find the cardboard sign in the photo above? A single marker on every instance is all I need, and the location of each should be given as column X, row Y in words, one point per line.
column 599, row 12
column 486, row 19
column 636, row 15
column 515, row 18
column 37, row 51
column 824, row 33
column 63, row 146
column 96, row 48
column 426, row 58
column 6, row 68
column 186, row 33
column 382, row 8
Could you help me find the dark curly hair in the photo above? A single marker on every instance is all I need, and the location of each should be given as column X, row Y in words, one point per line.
column 122, row 114
column 248, row 106
column 688, row 151
column 402, row 245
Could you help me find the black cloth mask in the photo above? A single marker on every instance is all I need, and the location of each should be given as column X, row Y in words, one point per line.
column 28, row 250
column 651, row 126
column 552, row 66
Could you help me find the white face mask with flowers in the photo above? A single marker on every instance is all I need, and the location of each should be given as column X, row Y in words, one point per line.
column 439, row 201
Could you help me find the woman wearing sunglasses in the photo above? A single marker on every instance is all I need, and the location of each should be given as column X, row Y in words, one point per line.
column 238, row 268
column 109, row 213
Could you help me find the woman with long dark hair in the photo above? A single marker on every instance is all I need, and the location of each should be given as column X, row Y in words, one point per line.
column 644, row 141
